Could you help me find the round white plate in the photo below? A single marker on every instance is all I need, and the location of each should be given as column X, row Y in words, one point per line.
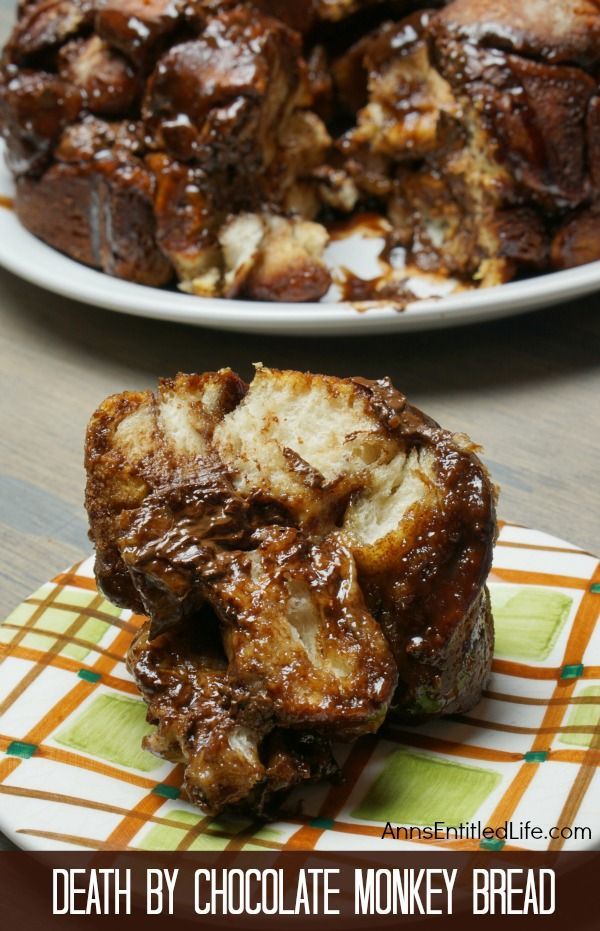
column 31, row 259
column 73, row 775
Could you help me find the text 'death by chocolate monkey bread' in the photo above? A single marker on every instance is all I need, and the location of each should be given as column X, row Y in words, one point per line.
column 214, row 143
column 311, row 553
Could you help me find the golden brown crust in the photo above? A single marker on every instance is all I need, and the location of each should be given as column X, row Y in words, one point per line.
column 472, row 125
column 476, row 127
column 234, row 758
column 554, row 30
column 340, row 536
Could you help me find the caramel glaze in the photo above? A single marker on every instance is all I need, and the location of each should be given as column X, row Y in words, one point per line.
column 196, row 706
column 361, row 223
column 357, row 290
column 199, row 544
column 368, row 292
column 532, row 99
column 439, row 596
column 7, row 202
column 192, row 542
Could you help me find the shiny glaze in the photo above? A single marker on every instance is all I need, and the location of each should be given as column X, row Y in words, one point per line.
column 445, row 562
column 214, row 84
column 533, row 105
column 201, row 544
column 35, row 107
column 43, row 26
column 194, row 702
column 363, row 223
column 214, row 99
column 190, row 543
column 138, row 28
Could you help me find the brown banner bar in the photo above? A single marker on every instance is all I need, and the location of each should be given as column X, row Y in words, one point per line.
column 329, row 891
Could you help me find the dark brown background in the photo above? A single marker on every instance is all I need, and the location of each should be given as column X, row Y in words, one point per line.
column 26, row 891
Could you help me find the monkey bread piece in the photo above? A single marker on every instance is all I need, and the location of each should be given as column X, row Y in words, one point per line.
column 262, row 257
column 299, row 636
column 234, row 760
column 475, row 128
column 311, row 513
column 139, row 443
column 44, row 25
column 35, row 108
column 351, row 460
column 103, row 192
column 107, row 81
column 137, row 28
column 172, row 534
column 563, row 31
column 220, row 98
column 104, row 198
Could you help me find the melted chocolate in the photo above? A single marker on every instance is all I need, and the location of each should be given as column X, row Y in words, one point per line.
column 319, row 628
column 191, row 698
column 356, row 290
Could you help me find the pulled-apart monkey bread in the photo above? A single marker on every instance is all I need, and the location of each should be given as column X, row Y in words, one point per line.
column 312, row 555
column 215, row 141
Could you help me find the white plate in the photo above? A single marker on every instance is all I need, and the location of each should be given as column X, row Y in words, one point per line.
column 73, row 775
column 29, row 258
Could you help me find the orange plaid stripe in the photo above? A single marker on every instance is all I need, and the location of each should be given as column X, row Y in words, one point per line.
column 309, row 830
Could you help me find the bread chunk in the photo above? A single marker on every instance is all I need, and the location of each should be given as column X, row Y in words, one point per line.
column 35, row 108
column 106, row 79
column 44, row 25
column 471, row 126
column 474, row 128
column 107, row 220
column 224, row 94
column 339, row 536
column 136, row 443
column 233, row 760
column 137, row 28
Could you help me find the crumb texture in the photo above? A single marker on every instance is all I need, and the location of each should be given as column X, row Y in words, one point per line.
column 310, row 552
column 215, row 143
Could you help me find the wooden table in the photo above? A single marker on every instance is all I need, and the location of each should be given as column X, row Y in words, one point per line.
column 526, row 388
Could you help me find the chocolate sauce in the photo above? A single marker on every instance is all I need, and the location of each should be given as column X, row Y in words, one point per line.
column 361, row 223
column 357, row 289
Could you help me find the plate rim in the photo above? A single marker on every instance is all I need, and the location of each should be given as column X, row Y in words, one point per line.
column 548, row 540
column 65, row 277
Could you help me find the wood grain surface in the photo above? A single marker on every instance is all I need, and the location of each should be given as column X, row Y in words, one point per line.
column 526, row 389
